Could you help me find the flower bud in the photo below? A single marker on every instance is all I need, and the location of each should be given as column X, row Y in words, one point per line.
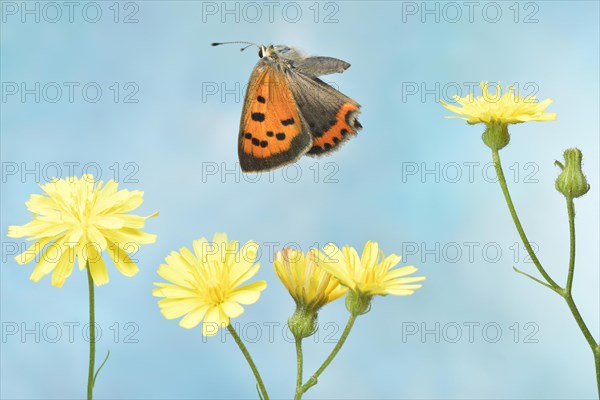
column 358, row 303
column 496, row 135
column 303, row 323
column 572, row 182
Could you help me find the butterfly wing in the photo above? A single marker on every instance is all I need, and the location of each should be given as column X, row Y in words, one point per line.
column 331, row 116
column 311, row 65
column 317, row 66
column 272, row 132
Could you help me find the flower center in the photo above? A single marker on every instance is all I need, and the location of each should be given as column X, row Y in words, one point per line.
column 215, row 291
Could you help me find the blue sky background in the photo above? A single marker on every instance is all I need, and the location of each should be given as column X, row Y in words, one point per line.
column 176, row 130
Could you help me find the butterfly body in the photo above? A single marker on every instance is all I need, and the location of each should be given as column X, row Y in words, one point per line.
column 289, row 112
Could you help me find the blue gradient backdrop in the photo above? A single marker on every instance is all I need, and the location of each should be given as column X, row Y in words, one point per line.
column 177, row 129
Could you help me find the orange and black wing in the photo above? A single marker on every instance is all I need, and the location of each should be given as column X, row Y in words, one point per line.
column 271, row 128
column 331, row 116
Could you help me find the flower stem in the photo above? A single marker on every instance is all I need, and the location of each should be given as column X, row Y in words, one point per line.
column 90, row 386
column 597, row 361
column 313, row 379
column 586, row 332
column 571, row 212
column 584, row 329
column 568, row 295
column 299, row 368
column 565, row 293
column 515, row 217
column 244, row 350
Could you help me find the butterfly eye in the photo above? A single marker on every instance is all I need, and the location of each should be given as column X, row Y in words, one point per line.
column 260, row 53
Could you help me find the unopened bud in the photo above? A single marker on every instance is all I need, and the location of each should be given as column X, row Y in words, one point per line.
column 572, row 182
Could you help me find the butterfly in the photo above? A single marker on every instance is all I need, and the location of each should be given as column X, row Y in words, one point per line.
column 289, row 112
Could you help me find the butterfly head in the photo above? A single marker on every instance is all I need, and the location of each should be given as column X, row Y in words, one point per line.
column 266, row 51
column 263, row 50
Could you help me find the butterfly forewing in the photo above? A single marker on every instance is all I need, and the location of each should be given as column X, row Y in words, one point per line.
column 271, row 128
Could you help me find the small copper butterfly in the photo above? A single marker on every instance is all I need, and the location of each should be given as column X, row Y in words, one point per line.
column 289, row 112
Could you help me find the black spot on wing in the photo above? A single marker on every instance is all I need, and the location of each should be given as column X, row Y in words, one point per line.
column 316, row 150
column 351, row 119
column 319, row 129
column 259, row 117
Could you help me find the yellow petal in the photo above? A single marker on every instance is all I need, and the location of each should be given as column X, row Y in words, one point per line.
column 200, row 247
column 370, row 254
column 187, row 255
column 122, row 260
column 193, row 318
column 97, row 266
column 402, row 281
column 47, row 262
column 232, row 309
column 175, row 308
column 32, row 252
column 37, row 228
column 63, row 270
column 248, row 294
column 239, row 279
column 174, row 291
column 125, row 236
column 176, row 271
column 399, row 292
column 81, row 258
column 402, row 271
column 219, row 246
column 212, row 322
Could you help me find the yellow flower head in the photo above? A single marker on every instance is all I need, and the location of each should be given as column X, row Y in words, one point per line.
column 80, row 218
column 370, row 274
column 509, row 108
column 309, row 285
column 207, row 284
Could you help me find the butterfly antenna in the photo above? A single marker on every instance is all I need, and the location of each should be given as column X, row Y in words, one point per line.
column 249, row 44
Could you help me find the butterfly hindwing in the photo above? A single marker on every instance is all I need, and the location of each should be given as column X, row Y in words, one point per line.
column 271, row 128
column 330, row 115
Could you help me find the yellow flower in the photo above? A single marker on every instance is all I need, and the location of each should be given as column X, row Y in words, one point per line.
column 206, row 284
column 309, row 285
column 509, row 108
column 79, row 218
column 371, row 274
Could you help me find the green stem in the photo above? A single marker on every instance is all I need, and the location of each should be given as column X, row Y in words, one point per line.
column 299, row 369
column 568, row 295
column 588, row 336
column 313, row 379
column 571, row 212
column 90, row 386
column 567, row 292
column 597, row 361
column 513, row 213
column 584, row 329
column 518, row 271
column 244, row 350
